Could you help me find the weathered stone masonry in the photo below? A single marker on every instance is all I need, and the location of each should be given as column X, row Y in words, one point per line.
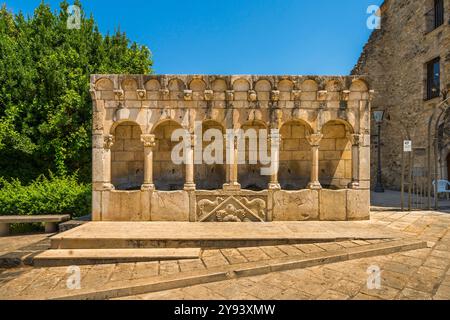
column 324, row 151
column 394, row 62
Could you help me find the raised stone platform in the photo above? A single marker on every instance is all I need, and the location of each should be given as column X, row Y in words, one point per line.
column 65, row 257
column 110, row 235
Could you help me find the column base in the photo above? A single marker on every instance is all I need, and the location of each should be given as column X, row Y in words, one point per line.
column 189, row 187
column 232, row 186
column 274, row 186
column 148, row 187
column 315, row 185
column 108, row 186
column 353, row 185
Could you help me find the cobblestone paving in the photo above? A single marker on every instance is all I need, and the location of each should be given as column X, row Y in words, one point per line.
column 413, row 275
column 419, row 274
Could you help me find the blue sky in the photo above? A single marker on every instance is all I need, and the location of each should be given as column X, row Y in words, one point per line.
column 323, row 37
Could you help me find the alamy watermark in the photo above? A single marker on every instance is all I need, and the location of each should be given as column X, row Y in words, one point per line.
column 234, row 142
column 74, row 18
column 374, row 278
column 374, row 20
column 73, row 282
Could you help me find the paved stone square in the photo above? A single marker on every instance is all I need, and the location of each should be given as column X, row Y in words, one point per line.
column 415, row 274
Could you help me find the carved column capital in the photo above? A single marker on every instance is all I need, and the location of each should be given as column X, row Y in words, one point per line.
column 118, row 94
column 108, row 141
column 187, row 94
column 314, row 139
column 229, row 95
column 141, row 93
column 322, row 95
column 345, row 95
column 275, row 95
column 209, row 95
column 355, row 139
column 296, row 94
column 149, row 140
column 252, row 96
column 164, row 93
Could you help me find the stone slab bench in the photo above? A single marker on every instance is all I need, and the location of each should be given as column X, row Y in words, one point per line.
column 50, row 221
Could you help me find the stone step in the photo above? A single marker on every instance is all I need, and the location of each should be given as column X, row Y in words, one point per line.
column 68, row 257
column 220, row 273
column 110, row 235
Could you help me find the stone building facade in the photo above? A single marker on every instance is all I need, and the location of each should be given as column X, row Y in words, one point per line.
column 397, row 60
column 321, row 125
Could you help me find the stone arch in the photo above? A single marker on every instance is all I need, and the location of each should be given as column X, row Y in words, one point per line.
column 176, row 88
column 334, row 86
column 249, row 175
column 309, row 90
column 219, row 85
column 286, row 86
column 295, row 155
column 309, row 86
column 152, row 85
column 167, row 175
column 359, row 85
column 211, row 176
column 104, row 84
column 117, row 123
column 241, row 85
column 263, row 88
column 129, row 84
column 335, row 155
column 127, row 156
column 176, row 84
column 197, row 85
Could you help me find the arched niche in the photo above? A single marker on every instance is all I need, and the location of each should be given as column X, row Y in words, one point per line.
column 335, row 155
column 167, row 175
column 249, row 175
column 127, row 157
column 295, row 155
column 104, row 84
column 211, row 176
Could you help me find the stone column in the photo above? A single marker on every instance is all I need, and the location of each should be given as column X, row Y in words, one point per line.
column 108, row 143
column 189, row 158
column 355, row 140
column 314, row 141
column 232, row 164
column 149, row 143
column 274, row 140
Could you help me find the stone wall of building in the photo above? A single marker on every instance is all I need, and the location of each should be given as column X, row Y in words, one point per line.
column 394, row 59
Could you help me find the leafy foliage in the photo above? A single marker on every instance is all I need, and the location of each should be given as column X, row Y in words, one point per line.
column 45, row 106
column 53, row 195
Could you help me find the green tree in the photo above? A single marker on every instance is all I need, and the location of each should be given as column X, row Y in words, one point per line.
column 45, row 105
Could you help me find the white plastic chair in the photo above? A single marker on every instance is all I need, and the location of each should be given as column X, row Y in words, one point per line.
column 442, row 186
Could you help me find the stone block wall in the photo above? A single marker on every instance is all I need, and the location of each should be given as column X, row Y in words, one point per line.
column 394, row 59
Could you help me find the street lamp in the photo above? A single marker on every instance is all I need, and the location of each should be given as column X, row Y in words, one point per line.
column 378, row 116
